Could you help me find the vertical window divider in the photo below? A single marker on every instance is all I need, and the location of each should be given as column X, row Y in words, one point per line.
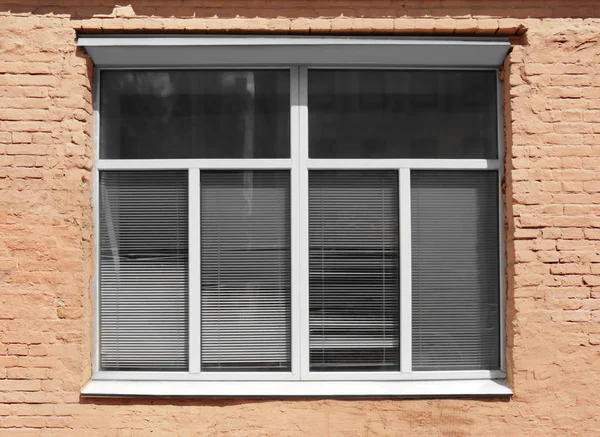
column 96, row 200
column 501, row 221
column 405, row 271
column 296, row 221
column 194, row 269
column 302, row 220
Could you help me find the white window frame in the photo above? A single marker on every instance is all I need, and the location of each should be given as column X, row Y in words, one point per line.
column 300, row 381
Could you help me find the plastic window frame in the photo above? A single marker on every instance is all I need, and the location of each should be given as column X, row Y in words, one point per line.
column 299, row 381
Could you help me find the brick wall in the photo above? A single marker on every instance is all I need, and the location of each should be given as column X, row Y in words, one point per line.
column 552, row 110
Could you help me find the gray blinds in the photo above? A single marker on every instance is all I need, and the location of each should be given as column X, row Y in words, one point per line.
column 143, row 270
column 353, row 293
column 245, row 270
column 455, row 273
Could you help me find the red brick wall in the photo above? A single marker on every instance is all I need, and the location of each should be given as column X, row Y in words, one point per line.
column 552, row 110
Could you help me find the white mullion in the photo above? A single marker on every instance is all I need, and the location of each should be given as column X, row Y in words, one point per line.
column 202, row 164
column 303, row 218
column 405, row 271
column 194, row 269
column 296, row 222
column 96, row 202
column 501, row 247
column 392, row 164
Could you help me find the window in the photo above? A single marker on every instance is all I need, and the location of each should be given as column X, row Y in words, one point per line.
column 299, row 229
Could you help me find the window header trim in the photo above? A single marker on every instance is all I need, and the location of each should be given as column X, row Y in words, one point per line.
column 201, row 51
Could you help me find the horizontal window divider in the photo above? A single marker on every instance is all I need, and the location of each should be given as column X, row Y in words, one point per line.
column 202, row 164
column 399, row 376
column 395, row 67
column 242, row 67
column 311, row 376
column 186, row 376
column 392, row 164
column 289, row 66
column 331, row 389
column 456, row 375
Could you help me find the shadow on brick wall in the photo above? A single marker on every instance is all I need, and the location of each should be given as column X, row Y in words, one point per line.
column 310, row 8
column 229, row 401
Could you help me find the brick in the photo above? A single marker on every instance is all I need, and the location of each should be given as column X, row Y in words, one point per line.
column 591, row 186
column 572, row 187
column 445, row 26
column 404, row 25
column 591, row 280
column 526, row 234
column 569, row 269
column 551, row 233
column 17, row 349
column 424, row 25
column 24, row 149
column 24, row 161
column 548, row 256
column 24, row 373
column 570, row 316
column 592, row 234
column 572, row 234
column 20, row 385
column 21, row 137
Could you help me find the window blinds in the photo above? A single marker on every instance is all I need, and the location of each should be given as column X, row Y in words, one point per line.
column 353, row 296
column 143, row 270
column 246, row 292
column 455, row 274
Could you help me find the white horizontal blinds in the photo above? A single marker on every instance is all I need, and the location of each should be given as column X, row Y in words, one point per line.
column 455, row 274
column 353, row 295
column 246, row 291
column 143, row 270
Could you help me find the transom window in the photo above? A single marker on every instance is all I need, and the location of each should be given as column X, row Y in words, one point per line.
column 298, row 223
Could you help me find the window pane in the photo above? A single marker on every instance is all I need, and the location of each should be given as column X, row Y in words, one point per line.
column 354, row 308
column 144, row 270
column 402, row 114
column 246, row 291
column 455, row 273
column 195, row 114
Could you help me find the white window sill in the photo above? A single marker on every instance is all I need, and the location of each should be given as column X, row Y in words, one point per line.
column 253, row 389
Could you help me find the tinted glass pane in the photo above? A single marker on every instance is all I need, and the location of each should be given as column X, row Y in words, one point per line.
column 246, row 287
column 353, row 295
column 195, row 114
column 455, row 273
column 144, row 270
column 402, row 114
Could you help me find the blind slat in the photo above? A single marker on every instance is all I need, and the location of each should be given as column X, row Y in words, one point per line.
column 455, row 275
column 246, row 290
column 353, row 296
column 143, row 270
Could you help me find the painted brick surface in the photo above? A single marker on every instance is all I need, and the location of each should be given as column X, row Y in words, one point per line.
column 552, row 197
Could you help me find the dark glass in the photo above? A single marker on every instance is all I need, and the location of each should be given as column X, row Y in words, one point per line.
column 402, row 114
column 195, row 114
